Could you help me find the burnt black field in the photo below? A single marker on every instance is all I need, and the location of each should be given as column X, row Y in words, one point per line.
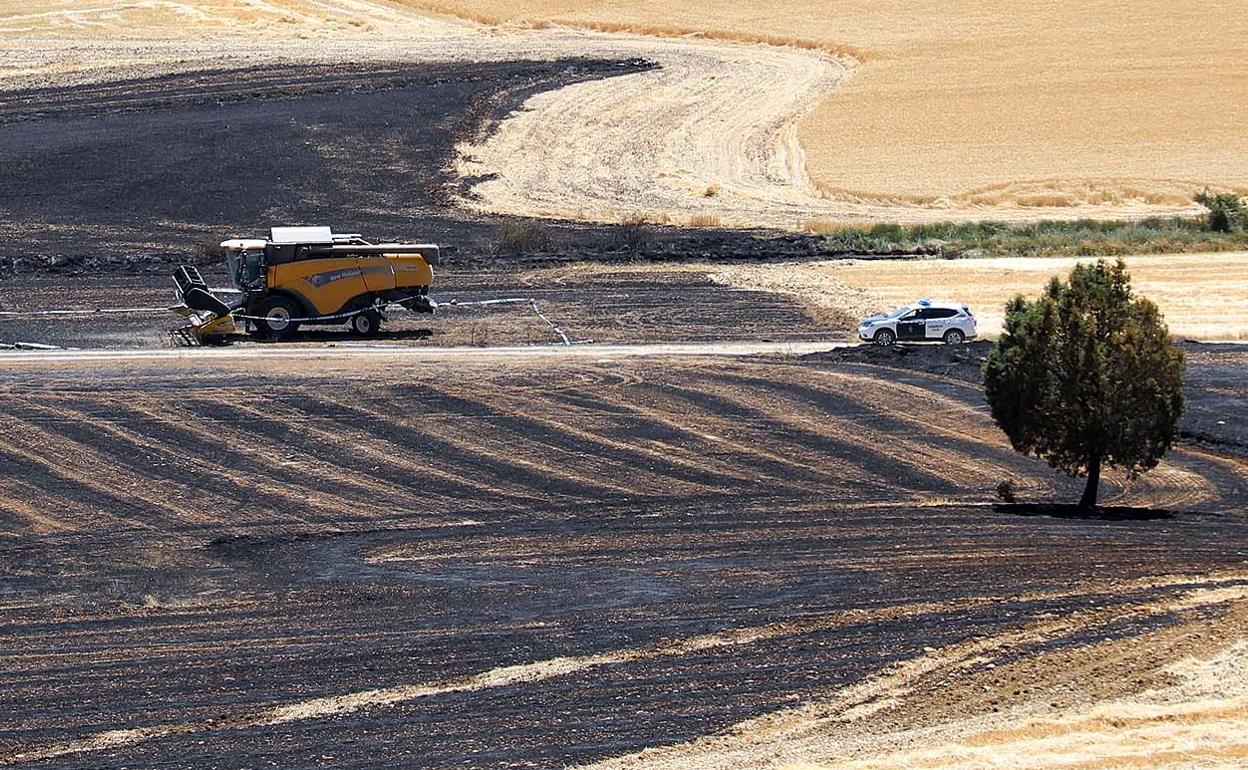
column 134, row 176
column 507, row 562
column 185, row 549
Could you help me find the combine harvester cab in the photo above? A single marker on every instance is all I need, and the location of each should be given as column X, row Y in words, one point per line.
column 307, row 275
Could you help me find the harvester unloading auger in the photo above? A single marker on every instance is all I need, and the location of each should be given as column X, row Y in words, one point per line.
column 306, row 275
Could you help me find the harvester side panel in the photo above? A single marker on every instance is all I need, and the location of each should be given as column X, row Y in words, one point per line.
column 327, row 284
column 378, row 273
column 411, row 271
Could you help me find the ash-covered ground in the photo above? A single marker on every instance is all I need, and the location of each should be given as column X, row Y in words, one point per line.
column 505, row 564
column 135, row 176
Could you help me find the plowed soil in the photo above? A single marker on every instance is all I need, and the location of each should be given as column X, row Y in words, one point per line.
column 509, row 564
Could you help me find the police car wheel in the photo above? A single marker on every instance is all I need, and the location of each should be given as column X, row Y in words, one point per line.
column 954, row 337
column 885, row 338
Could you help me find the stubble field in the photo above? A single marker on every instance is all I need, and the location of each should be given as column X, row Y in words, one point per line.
column 993, row 103
column 860, row 112
column 734, row 563
column 1203, row 296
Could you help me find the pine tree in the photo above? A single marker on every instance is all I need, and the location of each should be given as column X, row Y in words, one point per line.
column 1087, row 376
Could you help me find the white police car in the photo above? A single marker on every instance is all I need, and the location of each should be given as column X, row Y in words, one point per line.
column 924, row 321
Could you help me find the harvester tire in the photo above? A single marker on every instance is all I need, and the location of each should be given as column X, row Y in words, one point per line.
column 365, row 324
column 275, row 313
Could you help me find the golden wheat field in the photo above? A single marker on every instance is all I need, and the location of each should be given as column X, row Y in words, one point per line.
column 865, row 111
column 989, row 102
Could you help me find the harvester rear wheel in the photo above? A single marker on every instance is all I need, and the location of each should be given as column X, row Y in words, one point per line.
column 366, row 324
column 276, row 312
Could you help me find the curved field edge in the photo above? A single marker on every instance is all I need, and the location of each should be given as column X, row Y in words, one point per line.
column 710, row 138
column 1082, row 108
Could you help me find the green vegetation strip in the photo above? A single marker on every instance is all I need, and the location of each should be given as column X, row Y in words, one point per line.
column 1080, row 238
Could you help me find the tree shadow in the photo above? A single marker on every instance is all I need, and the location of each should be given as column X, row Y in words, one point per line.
column 1072, row 511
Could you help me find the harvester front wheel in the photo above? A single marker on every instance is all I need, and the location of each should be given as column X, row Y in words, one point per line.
column 275, row 315
column 365, row 324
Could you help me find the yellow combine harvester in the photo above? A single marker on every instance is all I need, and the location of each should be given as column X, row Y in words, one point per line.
column 306, row 275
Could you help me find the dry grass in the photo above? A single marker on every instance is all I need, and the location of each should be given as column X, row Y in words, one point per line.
column 1081, row 101
column 517, row 237
column 1203, row 296
column 1201, row 721
column 184, row 18
column 830, row 226
column 538, row 15
column 634, row 233
column 704, row 220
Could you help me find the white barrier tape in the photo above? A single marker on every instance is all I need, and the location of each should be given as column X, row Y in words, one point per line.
column 551, row 323
column 503, row 301
column 532, row 302
column 94, row 311
column 306, row 319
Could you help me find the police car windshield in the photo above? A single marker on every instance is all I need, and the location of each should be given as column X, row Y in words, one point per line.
column 899, row 312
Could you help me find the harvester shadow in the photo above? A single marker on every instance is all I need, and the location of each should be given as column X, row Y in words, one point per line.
column 320, row 335
column 1072, row 511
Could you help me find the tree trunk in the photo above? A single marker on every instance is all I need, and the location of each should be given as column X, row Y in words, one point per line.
column 1088, row 502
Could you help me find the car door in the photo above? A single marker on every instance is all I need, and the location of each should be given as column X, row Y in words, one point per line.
column 912, row 325
column 938, row 320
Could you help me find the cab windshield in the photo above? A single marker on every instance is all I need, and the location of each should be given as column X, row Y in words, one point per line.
column 246, row 268
column 899, row 312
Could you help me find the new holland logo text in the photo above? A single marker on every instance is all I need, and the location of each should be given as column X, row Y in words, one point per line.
column 321, row 279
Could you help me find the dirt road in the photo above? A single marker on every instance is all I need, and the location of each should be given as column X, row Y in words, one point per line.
column 398, row 352
column 370, row 563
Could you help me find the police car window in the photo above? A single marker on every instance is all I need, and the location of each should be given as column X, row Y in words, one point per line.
column 943, row 312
